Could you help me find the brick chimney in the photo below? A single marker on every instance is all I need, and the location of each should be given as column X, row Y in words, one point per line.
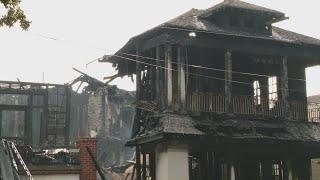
column 88, row 171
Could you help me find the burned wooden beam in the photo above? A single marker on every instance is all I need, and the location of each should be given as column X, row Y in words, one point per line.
column 181, row 60
column 138, row 163
column 168, row 63
column 95, row 162
column 284, row 86
column 158, row 75
column 228, row 81
column 93, row 83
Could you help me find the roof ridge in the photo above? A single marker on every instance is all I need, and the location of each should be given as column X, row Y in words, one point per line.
column 241, row 4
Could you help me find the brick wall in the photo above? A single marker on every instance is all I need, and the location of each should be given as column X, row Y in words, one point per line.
column 88, row 171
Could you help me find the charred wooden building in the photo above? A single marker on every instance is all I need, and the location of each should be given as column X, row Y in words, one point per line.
column 221, row 94
column 35, row 114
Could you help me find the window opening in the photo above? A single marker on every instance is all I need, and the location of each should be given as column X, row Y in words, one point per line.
column 257, row 93
column 273, row 91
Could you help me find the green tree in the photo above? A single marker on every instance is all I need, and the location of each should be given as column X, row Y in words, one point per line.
column 14, row 14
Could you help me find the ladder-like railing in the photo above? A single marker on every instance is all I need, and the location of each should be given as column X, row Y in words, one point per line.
column 16, row 153
column 249, row 105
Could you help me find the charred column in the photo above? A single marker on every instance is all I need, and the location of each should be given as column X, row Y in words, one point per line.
column 158, row 71
column 266, row 169
column 302, row 169
column 288, row 170
column 28, row 120
column 0, row 122
column 182, row 78
column 231, row 167
column 44, row 119
column 228, row 81
column 68, row 115
column 168, row 62
column 284, row 87
column 137, row 118
column 144, row 166
column 138, row 74
column 138, row 162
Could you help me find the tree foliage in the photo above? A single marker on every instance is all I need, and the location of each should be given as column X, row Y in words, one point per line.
column 14, row 14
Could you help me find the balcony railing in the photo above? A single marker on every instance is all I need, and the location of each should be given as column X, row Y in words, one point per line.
column 314, row 112
column 248, row 105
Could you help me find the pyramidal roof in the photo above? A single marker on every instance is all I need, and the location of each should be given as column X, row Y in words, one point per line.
column 194, row 20
column 241, row 5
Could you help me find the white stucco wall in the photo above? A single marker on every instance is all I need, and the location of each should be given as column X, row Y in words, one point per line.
column 57, row 177
column 315, row 165
column 172, row 162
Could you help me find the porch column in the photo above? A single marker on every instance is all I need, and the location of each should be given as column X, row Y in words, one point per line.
column 228, row 81
column 284, row 87
column 182, row 78
column 168, row 63
column 172, row 162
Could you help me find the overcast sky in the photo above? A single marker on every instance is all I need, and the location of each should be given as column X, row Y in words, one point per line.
column 85, row 30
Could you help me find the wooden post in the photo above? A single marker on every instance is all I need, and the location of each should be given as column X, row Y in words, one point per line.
column 152, row 165
column 267, row 170
column 168, row 61
column 138, row 75
column 44, row 119
column 288, row 170
column 138, row 162
column 210, row 165
column 28, row 120
column 231, row 167
column 308, row 169
column 303, row 168
column 182, row 78
column 228, row 81
column 284, row 87
column 158, row 70
column 0, row 122
column 68, row 116
column 144, row 166
column 136, row 122
column 295, row 169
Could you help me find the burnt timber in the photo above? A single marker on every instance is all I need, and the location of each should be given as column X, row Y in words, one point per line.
column 221, row 94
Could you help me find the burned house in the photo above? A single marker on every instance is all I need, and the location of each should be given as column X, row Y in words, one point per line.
column 35, row 114
column 221, row 94
column 49, row 122
column 106, row 112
